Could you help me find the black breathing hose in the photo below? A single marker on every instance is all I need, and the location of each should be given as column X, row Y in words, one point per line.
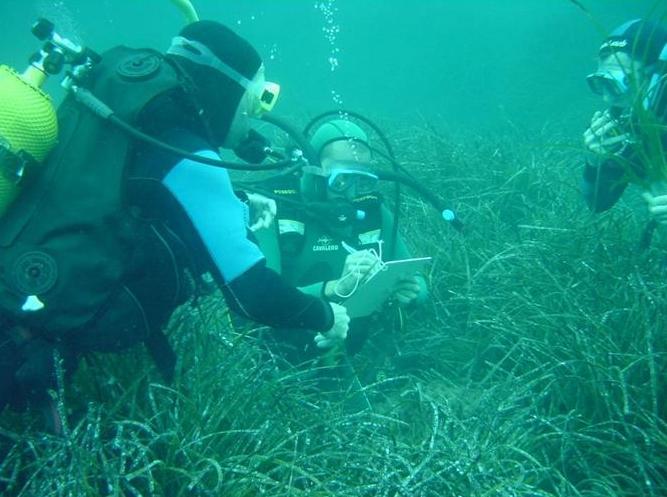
column 446, row 213
column 400, row 174
column 99, row 108
column 308, row 151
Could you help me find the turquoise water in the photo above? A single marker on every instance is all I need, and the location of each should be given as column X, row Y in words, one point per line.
column 478, row 64
column 539, row 367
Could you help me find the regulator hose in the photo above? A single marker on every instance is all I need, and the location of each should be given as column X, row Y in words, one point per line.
column 99, row 108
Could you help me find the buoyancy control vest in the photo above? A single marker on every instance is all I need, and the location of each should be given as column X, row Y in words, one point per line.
column 71, row 240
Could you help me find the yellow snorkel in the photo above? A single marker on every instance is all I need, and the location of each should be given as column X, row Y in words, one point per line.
column 188, row 10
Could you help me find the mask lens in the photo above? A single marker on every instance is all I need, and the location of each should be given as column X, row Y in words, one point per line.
column 613, row 84
column 339, row 182
column 269, row 96
column 342, row 180
column 366, row 184
column 263, row 99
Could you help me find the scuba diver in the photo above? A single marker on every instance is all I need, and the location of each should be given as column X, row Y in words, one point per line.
column 626, row 142
column 331, row 232
column 131, row 205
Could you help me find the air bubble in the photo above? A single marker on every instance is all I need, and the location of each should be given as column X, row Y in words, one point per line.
column 330, row 30
column 273, row 52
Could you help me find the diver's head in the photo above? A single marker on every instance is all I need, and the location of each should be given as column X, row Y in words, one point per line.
column 627, row 60
column 228, row 76
column 345, row 156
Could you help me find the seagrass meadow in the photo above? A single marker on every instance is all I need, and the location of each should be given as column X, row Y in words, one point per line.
column 538, row 368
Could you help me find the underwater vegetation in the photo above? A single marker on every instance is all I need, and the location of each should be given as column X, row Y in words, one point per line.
column 537, row 369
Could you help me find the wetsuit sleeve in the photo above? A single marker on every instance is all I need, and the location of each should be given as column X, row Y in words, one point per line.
column 316, row 289
column 262, row 295
column 219, row 218
column 216, row 213
column 603, row 185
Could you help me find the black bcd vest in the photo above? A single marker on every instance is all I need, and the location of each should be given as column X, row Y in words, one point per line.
column 69, row 241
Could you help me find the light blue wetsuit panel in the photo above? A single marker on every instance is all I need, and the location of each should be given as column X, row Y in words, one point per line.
column 220, row 218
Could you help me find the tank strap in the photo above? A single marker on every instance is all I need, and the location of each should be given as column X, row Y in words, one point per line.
column 14, row 164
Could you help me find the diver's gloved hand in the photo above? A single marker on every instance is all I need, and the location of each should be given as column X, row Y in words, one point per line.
column 253, row 148
column 407, row 290
column 657, row 206
column 262, row 211
column 606, row 134
column 338, row 331
column 358, row 267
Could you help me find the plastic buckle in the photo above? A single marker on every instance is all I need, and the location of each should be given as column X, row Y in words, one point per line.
column 12, row 165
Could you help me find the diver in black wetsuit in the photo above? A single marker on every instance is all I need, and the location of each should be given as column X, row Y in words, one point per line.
column 632, row 79
column 94, row 258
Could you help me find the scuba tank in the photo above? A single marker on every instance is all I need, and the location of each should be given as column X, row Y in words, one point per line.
column 28, row 122
column 28, row 129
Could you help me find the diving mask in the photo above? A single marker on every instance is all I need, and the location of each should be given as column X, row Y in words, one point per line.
column 342, row 179
column 612, row 83
column 264, row 93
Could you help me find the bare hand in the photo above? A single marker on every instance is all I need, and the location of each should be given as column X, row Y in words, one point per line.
column 357, row 268
column 605, row 135
column 338, row 331
column 657, row 206
column 262, row 211
column 406, row 290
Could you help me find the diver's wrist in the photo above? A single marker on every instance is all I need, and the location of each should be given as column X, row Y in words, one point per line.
column 329, row 291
